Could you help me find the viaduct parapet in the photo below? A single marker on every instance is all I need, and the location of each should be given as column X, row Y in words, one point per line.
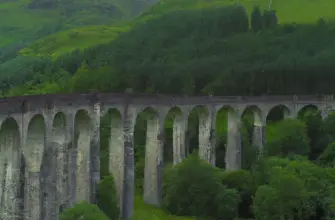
column 50, row 147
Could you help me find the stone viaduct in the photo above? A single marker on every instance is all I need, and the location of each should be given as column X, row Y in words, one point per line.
column 49, row 144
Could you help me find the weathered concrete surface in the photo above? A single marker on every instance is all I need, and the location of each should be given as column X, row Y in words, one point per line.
column 179, row 138
column 55, row 166
column 10, row 159
column 205, row 145
column 94, row 169
column 233, row 151
column 129, row 165
column 153, row 159
column 83, row 133
column 116, row 153
column 33, row 153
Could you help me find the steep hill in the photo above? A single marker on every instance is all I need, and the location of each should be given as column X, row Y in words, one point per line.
column 26, row 20
column 288, row 11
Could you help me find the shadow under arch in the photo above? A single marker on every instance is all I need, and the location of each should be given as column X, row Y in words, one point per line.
column 11, row 194
column 277, row 113
column 307, row 110
column 174, row 130
column 33, row 151
column 112, row 149
column 196, row 122
column 82, row 144
column 148, row 154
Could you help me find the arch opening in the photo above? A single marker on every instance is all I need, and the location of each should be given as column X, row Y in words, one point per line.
column 10, row 164
column 34, row 154
column 148, row 154
column 225, row 119
column 252, row 134
column 174, row 130
column 112, row 149
column 197, row 123
column 311, row 116
column 276, row 114
column 82, row 143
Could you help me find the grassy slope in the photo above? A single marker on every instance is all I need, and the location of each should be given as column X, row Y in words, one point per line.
column 300, row 11
column 147, row 212
column 20, row 23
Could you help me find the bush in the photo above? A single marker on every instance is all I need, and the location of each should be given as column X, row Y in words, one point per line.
column 193, row 188
column 243, row 182
column 83, row 211
column 107, row 200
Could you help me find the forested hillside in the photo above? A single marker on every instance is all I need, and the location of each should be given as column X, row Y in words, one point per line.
column 23, row 21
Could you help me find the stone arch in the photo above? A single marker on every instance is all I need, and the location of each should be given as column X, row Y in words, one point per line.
column 149, row 119
column 175, row 129
column 115, row 149
column 306, row 109
column 277, row 113
column 10, row 167
column 228, row 149
column 197, row 123
column 33, row 153
column 82, row 143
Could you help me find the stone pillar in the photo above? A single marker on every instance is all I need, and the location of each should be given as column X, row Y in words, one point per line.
column 179, row 138
column 207, row 136
column 116, row 155
column 233, row 150
column 33, row 197
column 10, row 161
column 153, row 159
column 259, row 135
column 95, row 152
column 71, row 162
column 128, row 180
column 34, row 149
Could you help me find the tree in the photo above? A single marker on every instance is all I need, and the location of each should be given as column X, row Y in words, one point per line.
column 290, row 138
column 106, row 195
column 256, row 19
column 83, row 211
column 282, row 198
column 193, row 188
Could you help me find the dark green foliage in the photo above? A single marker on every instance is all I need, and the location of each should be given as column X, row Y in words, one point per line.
column 290, row 138
column 256, row 19
column 83, row 211
column 327, row 158
column 106, row 196
column 269, row 18
column 243, row 182
column 193, row 188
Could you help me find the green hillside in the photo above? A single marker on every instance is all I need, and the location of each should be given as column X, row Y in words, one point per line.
column 25, row 20
column 288, row 11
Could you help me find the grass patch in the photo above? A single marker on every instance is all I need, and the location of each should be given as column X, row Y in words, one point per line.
column 143, row 211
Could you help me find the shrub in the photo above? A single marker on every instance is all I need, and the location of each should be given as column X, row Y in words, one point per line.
column 107, row 200
column 243, row 182
column 83, row 211
column 193, row 188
